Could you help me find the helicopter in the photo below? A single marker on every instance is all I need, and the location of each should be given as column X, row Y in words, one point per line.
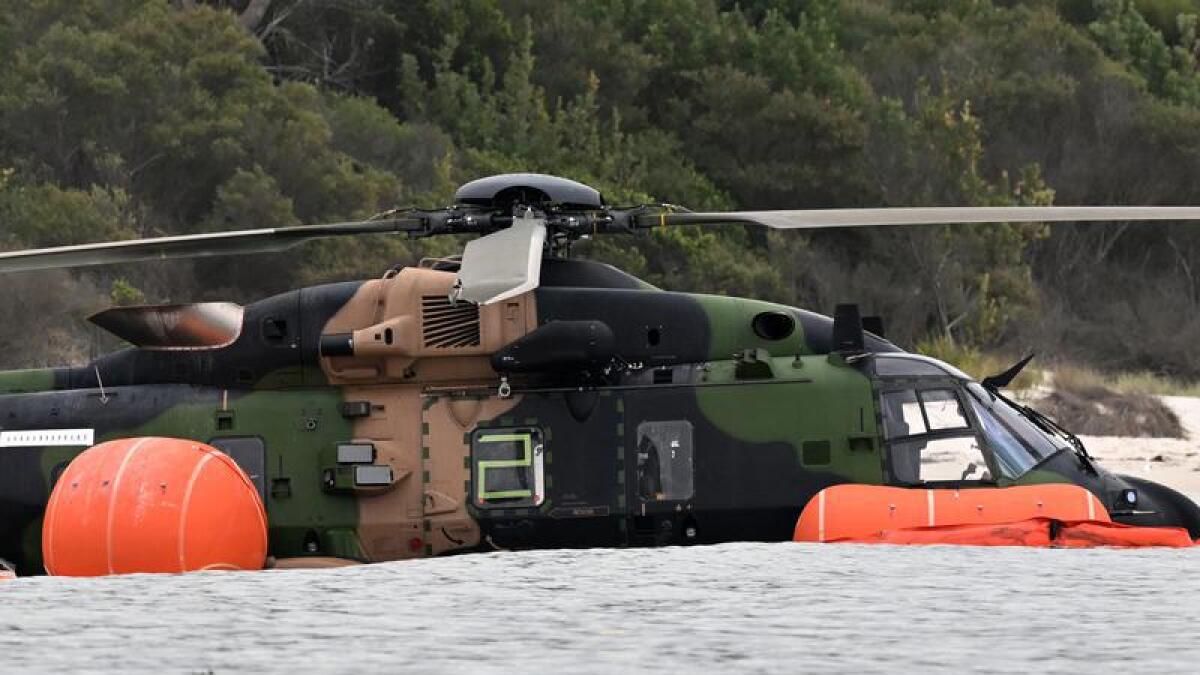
column 516, row 397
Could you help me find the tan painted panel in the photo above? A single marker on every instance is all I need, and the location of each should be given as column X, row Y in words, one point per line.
column 449, row 420
column 400, row 326
column 418, row 432
column 390, row 521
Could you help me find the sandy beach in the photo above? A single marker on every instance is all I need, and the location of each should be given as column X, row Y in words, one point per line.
column 1172, row 461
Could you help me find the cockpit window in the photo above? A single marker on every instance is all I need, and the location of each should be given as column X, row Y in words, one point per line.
column 902, row 414
column 930, row 438
column 942, row 410
column 937, row 460
column 910, row 412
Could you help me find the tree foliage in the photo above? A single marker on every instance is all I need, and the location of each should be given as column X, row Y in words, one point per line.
column 141, row 117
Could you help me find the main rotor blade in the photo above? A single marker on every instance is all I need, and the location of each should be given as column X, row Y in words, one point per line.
column 241, row 242
column 828, row 218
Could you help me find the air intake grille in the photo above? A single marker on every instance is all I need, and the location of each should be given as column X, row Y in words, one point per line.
column 447, row 325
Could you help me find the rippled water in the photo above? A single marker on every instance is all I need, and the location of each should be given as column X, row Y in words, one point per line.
column 744, row 607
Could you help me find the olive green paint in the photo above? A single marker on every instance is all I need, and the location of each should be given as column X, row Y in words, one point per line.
column 25, row 381
column 818, row 401
column 730, row 320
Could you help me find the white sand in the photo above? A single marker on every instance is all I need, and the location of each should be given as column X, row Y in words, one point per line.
column 1171, row 461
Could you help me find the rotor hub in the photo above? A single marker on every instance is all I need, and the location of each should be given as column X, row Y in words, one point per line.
column 545, row 193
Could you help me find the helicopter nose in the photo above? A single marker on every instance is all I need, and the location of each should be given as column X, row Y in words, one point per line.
column 1137, row 501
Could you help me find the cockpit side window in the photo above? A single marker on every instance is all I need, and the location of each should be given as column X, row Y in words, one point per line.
column 950, row 459
column 943, row 410
column 930, row 438
column 910, row 412
column 902, row 414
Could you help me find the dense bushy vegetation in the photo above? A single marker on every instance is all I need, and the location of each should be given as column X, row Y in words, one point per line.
column 122, row 118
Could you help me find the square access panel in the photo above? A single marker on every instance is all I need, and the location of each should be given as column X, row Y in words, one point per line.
column 355, row 453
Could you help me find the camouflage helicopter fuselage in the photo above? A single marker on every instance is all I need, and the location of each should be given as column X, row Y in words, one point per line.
column 380, row 421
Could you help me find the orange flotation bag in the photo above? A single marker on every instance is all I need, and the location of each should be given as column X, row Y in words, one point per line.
column 1057, row 515
column 854, row 511
column 153, row 505
column 1044, row 532
column 1089, row 534
column 1033, row 532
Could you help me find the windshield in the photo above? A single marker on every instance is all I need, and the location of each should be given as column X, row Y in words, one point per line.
column 1016, row 441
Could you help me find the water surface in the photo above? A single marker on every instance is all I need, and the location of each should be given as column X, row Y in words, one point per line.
column 736, row 607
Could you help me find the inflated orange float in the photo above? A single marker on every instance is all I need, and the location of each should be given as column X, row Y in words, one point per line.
column 153, row 505
column 1036, row 532
column 1061, row 515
